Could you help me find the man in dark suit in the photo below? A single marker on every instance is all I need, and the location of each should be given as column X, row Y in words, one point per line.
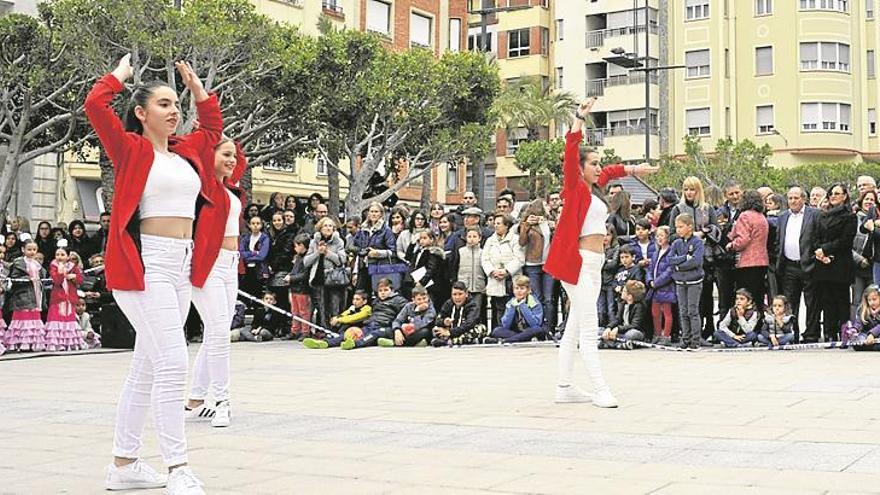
column 796, row 260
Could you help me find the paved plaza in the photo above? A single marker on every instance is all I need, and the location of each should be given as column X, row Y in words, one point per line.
column 471, row 421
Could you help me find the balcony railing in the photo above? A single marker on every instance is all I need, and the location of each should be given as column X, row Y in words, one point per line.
column 596, row 137
column 597, row 87
column 596, row 38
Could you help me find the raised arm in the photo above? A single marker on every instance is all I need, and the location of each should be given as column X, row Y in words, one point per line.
column 207, row 108
column 114, row 139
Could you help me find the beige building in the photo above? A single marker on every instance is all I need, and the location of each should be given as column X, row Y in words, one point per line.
column 519, row 41
column 583, row 38
column 799, row 75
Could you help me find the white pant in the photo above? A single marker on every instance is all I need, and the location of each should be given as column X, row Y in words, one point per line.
column 216, row 305
column 158, row 366
column 583, row 322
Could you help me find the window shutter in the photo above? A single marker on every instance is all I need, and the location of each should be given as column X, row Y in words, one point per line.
column 455, row 35
column 764, row 60
column 698, row 117
column 845, row 114
column 809, row 51
column 377, row 16
column 809, row 113
column 420, row 29
column 765, row 115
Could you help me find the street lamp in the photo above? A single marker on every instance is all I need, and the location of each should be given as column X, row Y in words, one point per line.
column 631, row 62
column 776, row 132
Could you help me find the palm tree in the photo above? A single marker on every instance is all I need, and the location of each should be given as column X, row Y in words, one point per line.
column 527, row 103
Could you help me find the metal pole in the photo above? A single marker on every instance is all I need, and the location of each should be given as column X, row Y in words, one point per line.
column 647, row 87
column 479, row 174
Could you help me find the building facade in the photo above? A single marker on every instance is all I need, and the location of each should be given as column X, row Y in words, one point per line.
column 799, row 75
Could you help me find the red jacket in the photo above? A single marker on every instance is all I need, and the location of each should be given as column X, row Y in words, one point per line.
column 564, row 260
column 132, row 156
column 749, row 239
column 58, row 295
column 211, row 225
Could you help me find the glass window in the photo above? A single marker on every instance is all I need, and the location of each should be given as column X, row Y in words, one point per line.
column 697, row 62
column 517, row 43
column 378, row 16
column 809, row 116
column 696, row 9
column 869, row 9
column 559, row 77
column 764, row 60
column 455, row 35
column 826, row 116
column 845, row 117
column 419, row 30
column 765, row 119
column 560, row 29
column 698, row 121
column 763, row 7
column 872, row 121
column 870, row 67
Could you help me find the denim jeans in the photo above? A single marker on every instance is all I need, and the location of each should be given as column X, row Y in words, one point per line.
column 157, row 376
column 784, row 339
column 689, row 312
column 541, row 284
column 729, row 341
column 514, row 336
column 607, row 305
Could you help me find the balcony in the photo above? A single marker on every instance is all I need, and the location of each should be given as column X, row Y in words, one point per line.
column 596, row 39
column 597, row 137
column 597, row 87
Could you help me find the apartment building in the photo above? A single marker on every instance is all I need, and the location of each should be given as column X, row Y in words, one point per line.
column 518, row 36
column 591, row 46
column 799, row 75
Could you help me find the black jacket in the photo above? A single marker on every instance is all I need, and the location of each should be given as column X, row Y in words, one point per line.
column 299, row 276
column 834, row 232
column 281, row 250
column 21, row 295
column 464, row 318
column 808, row 261
column 270, row 320
column 638, row 318
column 385, row 311
column 624, row 227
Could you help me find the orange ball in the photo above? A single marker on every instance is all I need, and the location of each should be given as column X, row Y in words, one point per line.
column 354, row 333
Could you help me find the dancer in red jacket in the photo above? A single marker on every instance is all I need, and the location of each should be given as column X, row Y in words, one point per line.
column 215, row 291
column 158, row 178
column 576, row 257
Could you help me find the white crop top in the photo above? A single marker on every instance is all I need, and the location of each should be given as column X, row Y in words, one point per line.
column 234, row 215
column 171, row 190
column 594, row 222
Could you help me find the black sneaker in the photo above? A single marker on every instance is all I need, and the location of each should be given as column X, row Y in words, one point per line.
column 490, row 340
column 438, row 342
column 694, row 347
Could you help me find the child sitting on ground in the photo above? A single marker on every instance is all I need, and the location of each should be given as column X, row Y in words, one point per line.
column 778, row 324
column 412, row 327
column 267, row 323
column 740, row 325
column 356, row 314
column 867, row 323
column 631, row 322
column 84, row 319
column 385, row 308
column 523, row 316
column 457, row 322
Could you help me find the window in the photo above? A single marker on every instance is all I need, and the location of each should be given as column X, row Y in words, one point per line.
column 378, row 17
column 869, row 67
column 697, row 62
column 765, row 119
column 452, row 176
column 828, row 56
column 697, row 121
column 419, row 30
column 696, row 9
column 321, row 165
column 514, row 138
column 869, row 9
column 835, row 5
column 517, row 43
column 559, row 78
column 545, row 41
column 764, row 60
column 872, row 121
column 763, row 7
column 825, row 117
column 475, row 42
column 455, row 35
column 333, row 6
column 560, row 29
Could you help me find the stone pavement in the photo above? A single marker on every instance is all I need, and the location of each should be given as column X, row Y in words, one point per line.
column 469, row 421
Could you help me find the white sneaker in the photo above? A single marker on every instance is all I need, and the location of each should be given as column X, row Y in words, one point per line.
column 571, row 394
column 200, row 413
column 182, row 481
column 138, row 474
column 604, row 399
column 221, row 416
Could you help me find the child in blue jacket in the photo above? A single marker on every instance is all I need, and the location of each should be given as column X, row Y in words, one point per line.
column 523, row 316
column 686, row 257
